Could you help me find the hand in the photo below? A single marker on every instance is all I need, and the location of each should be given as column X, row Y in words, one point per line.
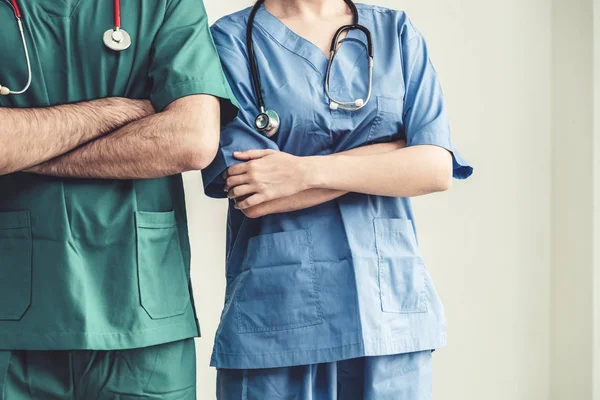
column 266, row 175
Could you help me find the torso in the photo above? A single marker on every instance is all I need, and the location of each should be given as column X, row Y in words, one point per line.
column 303, row 287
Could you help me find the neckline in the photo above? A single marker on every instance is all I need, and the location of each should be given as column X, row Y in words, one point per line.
column 296, row 43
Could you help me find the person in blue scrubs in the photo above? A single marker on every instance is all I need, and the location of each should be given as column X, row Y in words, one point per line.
column 327, row 295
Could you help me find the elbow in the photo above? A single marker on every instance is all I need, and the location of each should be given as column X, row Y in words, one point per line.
column 443, row 183
column 201, row 149
column 442, row 180
column 6, row 166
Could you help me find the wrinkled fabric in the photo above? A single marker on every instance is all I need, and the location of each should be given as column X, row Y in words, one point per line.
column 344, row 279
column 164, row 372
column 404, row 376
column 99, row 264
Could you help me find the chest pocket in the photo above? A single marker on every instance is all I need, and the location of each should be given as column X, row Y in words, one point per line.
column 388, row 122
column 304, row 130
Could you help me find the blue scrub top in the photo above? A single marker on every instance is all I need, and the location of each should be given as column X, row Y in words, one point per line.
column 344, row 279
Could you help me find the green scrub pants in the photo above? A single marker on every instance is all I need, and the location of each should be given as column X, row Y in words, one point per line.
column 165, row 372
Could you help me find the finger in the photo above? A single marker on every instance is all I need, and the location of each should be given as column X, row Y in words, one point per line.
column 238, row 169
column 251, row 201
column 236, row 180
column 225, row 175
column 252, row 154
column 240, row 191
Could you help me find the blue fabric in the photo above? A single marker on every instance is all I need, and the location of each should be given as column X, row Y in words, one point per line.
column 344, row 279
column 404, row 376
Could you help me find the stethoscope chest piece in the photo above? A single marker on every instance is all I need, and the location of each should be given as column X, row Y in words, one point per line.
column 267, row 122
column 117, row 39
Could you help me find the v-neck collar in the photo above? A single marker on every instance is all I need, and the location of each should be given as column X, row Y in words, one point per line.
column 289, row 39
column 52, row 8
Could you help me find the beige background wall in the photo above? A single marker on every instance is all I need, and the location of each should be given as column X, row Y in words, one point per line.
column 596, row 243
column 487, row 241
column 573, row 189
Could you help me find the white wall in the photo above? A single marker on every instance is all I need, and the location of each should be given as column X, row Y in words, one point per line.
column 596, row 113
column 572, row 212
column 487, row 241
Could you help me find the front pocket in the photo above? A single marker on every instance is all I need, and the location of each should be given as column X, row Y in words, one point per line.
column 278, row 289
column 163, row 278
column 402, row 275
column 388, row 122
column 15, row 265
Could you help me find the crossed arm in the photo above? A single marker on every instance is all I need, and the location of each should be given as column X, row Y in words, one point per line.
column 272, row 182
column 111, row 138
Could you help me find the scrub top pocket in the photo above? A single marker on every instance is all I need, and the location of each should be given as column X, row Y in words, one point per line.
column 402, row 274
column 15, row 265
column 388, row 122
column 278, row 290
column 163, row 280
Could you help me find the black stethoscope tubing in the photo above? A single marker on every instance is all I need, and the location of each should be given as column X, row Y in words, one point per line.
column 268, row 121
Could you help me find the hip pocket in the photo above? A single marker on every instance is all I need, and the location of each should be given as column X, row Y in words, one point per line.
column 15, row 265
column 278, row 290
column 163, row 281
column 402, row 275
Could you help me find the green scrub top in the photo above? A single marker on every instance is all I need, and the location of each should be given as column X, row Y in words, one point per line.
column 99, row 264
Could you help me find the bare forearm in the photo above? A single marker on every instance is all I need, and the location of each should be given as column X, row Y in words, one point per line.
column 177, row 140
column 314, row 197
column 30, row 136
column 301, row 201
column 408, row 172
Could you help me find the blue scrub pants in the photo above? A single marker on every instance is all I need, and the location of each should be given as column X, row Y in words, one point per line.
column 396, row 377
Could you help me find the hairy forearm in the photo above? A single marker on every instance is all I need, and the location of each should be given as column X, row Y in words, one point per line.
column 407, row 172
column 179, row 139
column 314, row 197
column 30, row 136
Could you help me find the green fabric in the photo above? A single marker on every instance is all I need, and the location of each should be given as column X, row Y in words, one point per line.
column 99, row 264
column 162, row 372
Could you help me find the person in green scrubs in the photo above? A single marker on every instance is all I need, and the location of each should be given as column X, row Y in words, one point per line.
column 95, row 295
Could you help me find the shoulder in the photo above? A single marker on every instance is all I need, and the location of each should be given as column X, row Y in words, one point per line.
column 389, row 17
column 230, row 31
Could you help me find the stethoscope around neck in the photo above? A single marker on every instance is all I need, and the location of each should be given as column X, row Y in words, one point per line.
column 267, row 121
column 115, row 39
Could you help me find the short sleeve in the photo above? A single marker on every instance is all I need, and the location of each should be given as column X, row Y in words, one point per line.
column 425, row 111
column 184, row 59
column 240, row 134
